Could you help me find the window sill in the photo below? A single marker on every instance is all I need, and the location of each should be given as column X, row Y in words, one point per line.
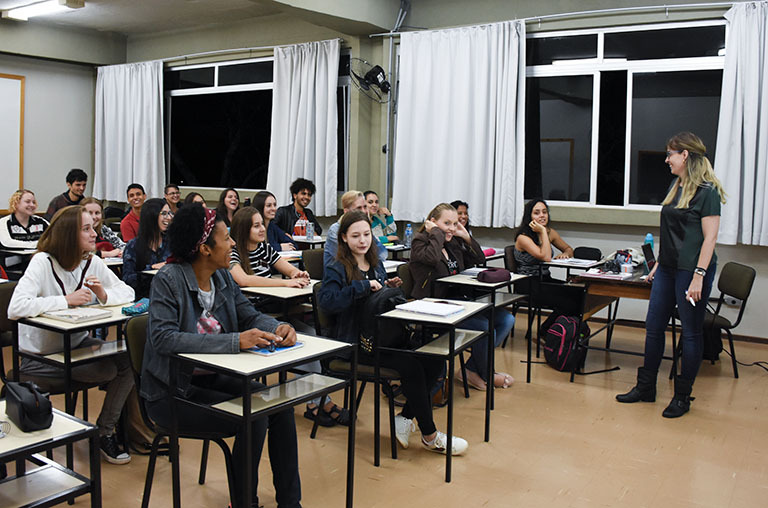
column 599, row 215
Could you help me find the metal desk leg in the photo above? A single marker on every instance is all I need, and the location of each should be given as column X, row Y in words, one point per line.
column 491, row 374
column 173, row 439
column 95, row 457
column 69, row 405
column 247, row 443
column 449, row 433
column 351, row 433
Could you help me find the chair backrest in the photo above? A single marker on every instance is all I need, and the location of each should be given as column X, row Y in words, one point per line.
column 313, row 263
column 6, row 292
column 135, row 340
column 590, row 253
column 111, row 212
column 736, row 280
column 509, row 258
column 323, row 322
column 404, row 272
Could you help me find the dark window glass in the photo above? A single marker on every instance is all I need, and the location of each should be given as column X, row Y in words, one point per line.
column 611, row 145
column 543, row 51
column 189, row 78
column 674, row 43
column 663, row 104
column 344, row 65
column 254, row 72
column 558, row 137
column 221, row 140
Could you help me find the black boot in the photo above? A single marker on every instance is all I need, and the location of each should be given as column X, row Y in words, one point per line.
column 644, row 391
column 681, row 402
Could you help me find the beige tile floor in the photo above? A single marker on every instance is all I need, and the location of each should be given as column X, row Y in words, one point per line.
column 553, row 444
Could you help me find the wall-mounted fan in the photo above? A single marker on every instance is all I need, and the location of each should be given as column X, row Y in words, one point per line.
column 370, row 79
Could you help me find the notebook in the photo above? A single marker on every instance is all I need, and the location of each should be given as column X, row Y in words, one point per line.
column 78, row 314
column 278, row 349
column 650, row 258
column 440, row 309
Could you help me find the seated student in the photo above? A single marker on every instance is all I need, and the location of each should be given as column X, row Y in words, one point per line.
column 229, row 202
column 443, row 247
column 462, row 209
column 382, row 222
column 278, row 239
column 172, row 197
column 287, row 216
column 65, row 274
column 149, row 250
column 198, row 308
column 348, row 281
column 350, row 200
column 194, row 197
column 129, row 226
column 21, row 229
column 534, row 240
column 108, row 244
column 253, row 258
column 77, row 179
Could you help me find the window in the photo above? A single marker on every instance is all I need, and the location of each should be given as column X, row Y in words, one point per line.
column 219, row 118
column 600, row 105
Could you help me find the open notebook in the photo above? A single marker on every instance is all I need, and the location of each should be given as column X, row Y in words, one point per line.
column 440, row 309
column 78, row 314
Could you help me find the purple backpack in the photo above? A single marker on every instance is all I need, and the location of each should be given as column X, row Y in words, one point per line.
column 563, row 347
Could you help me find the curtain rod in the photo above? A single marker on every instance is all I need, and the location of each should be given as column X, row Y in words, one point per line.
column 576, row 14
column 235, row 50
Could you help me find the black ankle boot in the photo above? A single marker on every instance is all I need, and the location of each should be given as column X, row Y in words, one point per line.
column 681, row 402
column 644, row 391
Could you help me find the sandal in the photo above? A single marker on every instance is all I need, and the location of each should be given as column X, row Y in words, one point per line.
column 323, row 419
column 338, row 415
column 475, row 381
column 502, row 380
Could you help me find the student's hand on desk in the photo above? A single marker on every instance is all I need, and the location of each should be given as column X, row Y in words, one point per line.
column 287, row 334
column 563, row 255
column 287, row 246
column 80, row 297
column 158, row 266
column 375, row 285
column 393, row 238
column 299, row 282
column 258, row 338
column 300, row 275
column 394, row 282
column 428, row 225
column 94, row 284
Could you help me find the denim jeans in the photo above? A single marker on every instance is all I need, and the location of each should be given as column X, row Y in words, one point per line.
column 503, row 322
column 668, row 291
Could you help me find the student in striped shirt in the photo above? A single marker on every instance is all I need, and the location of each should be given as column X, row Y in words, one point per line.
column 253, row 258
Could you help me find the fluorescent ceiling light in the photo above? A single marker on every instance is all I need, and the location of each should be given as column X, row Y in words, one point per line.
column 25, row 12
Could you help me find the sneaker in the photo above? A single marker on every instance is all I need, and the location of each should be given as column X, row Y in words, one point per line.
column 440, row 444
column 404, row 427
column 111, row 451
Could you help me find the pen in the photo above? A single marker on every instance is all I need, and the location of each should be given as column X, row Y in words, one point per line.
column 690, row 299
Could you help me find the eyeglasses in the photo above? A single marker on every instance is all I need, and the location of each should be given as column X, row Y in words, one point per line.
column 174, row 194
column 166, row 214
column 670, row 152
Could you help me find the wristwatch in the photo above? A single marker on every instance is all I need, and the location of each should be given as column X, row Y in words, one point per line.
column 700, row 271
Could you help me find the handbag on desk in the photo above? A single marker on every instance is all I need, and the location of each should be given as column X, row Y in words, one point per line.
column 27, row 407
column 494, row 275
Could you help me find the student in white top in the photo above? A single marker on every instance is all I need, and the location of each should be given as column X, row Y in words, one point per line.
column 21, row 229
column 66, row 274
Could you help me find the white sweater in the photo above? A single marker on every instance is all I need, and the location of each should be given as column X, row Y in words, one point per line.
column 38, row 292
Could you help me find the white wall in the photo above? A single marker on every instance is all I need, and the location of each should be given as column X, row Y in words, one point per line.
column 58, row 124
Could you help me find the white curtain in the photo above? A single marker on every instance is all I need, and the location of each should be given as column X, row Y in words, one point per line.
column 460, row 125
column 129, row 129
column 741, row 161
column 304, row 122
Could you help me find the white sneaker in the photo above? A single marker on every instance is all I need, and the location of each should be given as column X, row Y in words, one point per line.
column 404, row 427
column 440, row 444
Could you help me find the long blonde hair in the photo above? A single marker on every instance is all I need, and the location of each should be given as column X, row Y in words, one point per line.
column 94, row 201
column 698, row 169
column 437, row 212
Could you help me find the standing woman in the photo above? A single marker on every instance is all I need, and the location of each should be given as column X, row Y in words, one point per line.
column 535, row 239
column 683, row 274
column 107, row 242
column 442, row 247
column 149, row 249
column 229, row 202
column 382, row 222
column 21, row 229
column 348, row 281
column 198, row 308
column 63, row 274
column 266, row 204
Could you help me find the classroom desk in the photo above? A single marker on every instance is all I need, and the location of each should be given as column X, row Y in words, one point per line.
column 499, row 254
column 396, row 250
column 68, row 356
column 391, row 265
column 50, row 483
column 272, row 399
column 315, row 241
column 446, row 346
column 285, row 295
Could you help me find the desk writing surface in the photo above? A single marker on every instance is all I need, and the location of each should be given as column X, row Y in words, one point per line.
column 61, row 426
column 113, row 261
column 251, row 364
column 468, row 280
column 65, row 326
column 391, row 265
column 573, row 263
column 314, row 240
column 470, row 309
column 150, row 272
column 281, row 292
column 18, row 252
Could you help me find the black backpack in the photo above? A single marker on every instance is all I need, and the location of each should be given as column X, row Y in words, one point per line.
column 392, row 334
column 564, row 346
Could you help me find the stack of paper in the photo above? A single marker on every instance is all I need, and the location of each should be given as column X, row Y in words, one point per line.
column 440, row 309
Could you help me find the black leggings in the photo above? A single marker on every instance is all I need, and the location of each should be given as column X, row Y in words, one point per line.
column 418, row 374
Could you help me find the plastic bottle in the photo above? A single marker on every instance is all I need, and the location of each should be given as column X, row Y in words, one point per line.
column 408, row 236
column 649, row 239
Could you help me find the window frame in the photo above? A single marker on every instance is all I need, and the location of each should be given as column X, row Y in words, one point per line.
column 595, row 66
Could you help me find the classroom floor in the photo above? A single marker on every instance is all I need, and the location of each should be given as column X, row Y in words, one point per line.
column 553, row 444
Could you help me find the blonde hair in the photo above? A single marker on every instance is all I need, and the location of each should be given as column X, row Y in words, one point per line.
column 92, row 200
column 698, row 169
column 348, row 198
column 15, row 199
column 437, row 212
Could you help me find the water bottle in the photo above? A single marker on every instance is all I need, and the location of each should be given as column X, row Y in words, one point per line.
column 310, row 227
column 408, row 236
column 649, row 239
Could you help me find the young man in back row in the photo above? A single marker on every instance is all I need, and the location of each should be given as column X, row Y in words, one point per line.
column 76, row 182
column 287, row 216
column 129, row 226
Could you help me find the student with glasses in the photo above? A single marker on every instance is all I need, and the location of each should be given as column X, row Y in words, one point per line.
column 149, row 250
column 172, row 197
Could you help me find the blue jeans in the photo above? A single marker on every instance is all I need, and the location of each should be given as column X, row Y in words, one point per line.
column 503, row 322
column 668, row 291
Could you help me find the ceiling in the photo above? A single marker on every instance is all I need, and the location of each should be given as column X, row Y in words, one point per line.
column 135, row 17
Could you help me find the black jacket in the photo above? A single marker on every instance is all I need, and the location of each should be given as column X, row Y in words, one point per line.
column 287, row 216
